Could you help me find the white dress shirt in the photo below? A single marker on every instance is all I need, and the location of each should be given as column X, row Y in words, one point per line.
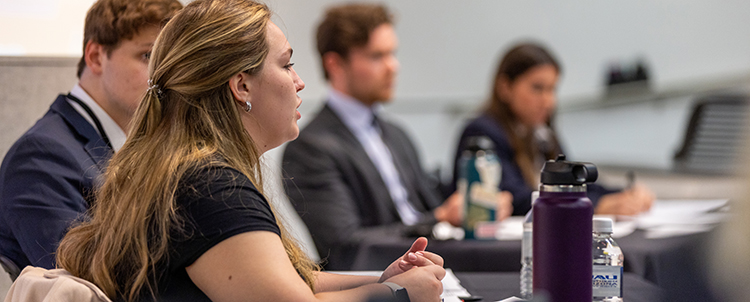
column 113, row 131
column 360, row 121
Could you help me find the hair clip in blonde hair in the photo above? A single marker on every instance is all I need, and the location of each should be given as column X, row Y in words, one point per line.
column 154, row 87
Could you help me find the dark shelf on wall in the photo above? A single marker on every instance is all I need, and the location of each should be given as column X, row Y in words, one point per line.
column 620, row 95
column 639, row 93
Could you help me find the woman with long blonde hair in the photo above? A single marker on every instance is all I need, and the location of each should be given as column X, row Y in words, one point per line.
column 181, row 215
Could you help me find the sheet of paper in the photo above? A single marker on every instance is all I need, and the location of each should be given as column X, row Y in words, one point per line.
column 668, row 218
column 678, row 211
column 665, row 231
column 510, row 229
column 452, row 288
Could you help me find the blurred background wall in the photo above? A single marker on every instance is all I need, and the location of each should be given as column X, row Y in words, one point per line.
column 448, row 52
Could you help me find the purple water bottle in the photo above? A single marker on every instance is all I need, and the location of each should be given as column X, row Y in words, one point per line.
column 562, row 232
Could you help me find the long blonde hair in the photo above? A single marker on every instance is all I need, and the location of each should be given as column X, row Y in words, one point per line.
column 189, row 119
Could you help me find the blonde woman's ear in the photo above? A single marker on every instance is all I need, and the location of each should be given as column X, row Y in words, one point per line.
column 240, row 86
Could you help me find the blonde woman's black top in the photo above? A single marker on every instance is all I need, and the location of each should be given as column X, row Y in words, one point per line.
column 215, row 203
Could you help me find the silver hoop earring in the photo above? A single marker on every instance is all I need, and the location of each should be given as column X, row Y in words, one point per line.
column 248, row 106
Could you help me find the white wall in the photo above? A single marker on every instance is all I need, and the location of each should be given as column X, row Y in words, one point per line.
column 42, row 27
column 449, row 48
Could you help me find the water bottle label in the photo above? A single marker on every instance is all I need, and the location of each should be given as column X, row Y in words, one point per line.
column 483, row 191
column 607, row 281
column 482, row 195
column 489, row 170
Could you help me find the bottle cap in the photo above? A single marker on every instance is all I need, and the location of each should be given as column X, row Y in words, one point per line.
column 476, row 143
column 602, row 225
column 562, row 172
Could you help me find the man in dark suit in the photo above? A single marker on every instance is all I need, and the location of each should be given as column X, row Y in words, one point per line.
column 48, row 177
column 352, row 176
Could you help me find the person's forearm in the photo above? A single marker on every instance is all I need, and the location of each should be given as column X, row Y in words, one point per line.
column 364, row 293
column 334, row 282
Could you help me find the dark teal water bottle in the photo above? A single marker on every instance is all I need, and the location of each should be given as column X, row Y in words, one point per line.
column 562, row 232
column 479, row 177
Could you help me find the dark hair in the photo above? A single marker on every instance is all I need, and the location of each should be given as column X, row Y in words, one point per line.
column 517, row 61
column 108, row 22
column 348, row 26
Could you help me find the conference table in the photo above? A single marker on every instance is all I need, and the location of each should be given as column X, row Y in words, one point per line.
column 675, row 264
column 497, row 286
column 505, row 255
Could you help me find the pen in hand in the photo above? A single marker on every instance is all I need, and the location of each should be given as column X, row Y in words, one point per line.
column 643, row 196
column 631, row 179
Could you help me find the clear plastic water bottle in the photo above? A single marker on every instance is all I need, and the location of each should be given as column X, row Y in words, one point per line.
column 527, row 279
column 608, row 259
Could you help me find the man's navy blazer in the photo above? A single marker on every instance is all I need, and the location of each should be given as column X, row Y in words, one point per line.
column 47, row 182
column 339, row 193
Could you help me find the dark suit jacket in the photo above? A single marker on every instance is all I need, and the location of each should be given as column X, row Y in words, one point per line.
column 512, row 179
column 46, row 182
column 339, row 192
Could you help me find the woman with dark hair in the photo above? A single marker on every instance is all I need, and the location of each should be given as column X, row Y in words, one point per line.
column 518, row 119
